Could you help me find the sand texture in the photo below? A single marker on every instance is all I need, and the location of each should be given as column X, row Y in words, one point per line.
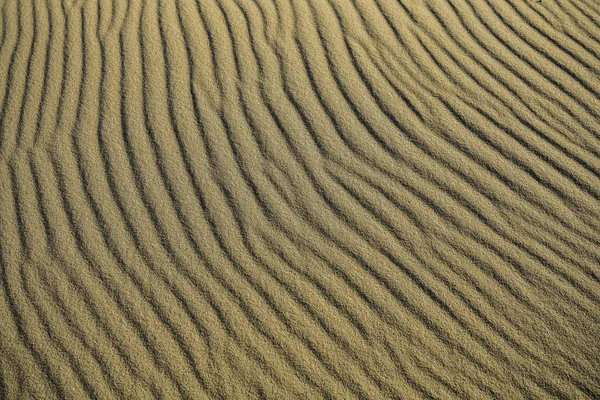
column 300, row 199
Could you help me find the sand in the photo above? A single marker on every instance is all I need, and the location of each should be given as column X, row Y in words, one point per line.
column 299, row 199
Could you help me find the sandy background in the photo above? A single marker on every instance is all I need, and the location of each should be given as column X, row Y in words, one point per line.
column 300, row 199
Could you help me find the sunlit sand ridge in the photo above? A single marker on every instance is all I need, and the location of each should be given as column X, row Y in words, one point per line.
column 300, row 199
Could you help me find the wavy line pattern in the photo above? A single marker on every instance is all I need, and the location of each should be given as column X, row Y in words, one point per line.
column 276, row 199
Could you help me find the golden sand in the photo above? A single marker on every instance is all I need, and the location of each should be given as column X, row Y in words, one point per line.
column 300, row 199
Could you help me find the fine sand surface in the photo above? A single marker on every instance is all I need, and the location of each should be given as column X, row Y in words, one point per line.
column 300, row 199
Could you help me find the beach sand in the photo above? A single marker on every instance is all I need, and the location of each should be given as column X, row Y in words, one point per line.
column 300, row 199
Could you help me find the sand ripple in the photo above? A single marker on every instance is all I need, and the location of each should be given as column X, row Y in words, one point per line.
column 277, row 199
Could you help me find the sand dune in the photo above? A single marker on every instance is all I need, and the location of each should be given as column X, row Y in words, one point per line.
column 299, row 199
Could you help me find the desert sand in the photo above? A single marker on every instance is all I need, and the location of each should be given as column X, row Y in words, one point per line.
column 300, row 199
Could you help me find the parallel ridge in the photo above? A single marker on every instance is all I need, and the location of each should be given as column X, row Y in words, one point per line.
column 303, row 199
